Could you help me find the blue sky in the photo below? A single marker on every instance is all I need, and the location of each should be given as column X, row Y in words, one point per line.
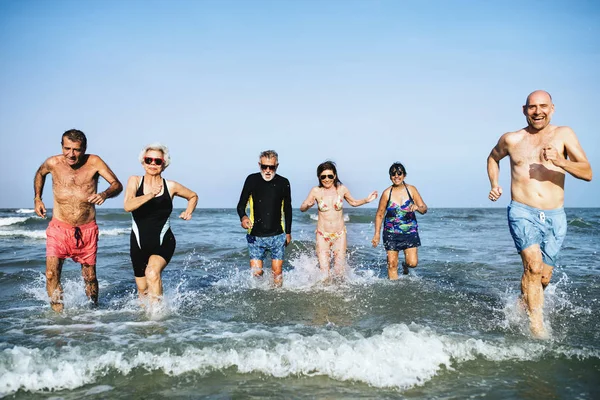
column 432, row 84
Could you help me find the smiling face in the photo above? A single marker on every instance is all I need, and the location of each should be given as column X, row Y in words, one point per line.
column 327, row 178
column 538, row 110
column 73, row 151
column 151, row 160
column 268, row 167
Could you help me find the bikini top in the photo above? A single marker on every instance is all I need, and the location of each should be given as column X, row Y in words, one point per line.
column 337, row 206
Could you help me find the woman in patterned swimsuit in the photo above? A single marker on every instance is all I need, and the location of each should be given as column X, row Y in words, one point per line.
column 398, row 204
column 331, row 230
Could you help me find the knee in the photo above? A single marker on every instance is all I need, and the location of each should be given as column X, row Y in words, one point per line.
column 533, row 267
column 152, row 274
column 51, row 276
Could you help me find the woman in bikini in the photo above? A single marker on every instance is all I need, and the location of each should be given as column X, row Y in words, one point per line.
column 398, row 204
column 331, row 230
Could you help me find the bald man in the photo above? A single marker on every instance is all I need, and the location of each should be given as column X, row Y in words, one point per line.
column 540, row 156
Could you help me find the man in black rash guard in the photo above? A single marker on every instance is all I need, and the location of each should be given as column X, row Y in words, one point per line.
column 268, row 196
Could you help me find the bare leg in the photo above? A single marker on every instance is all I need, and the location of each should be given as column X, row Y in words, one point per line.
column 411, row 259
column 155, row 266
column 392, row 264
column 339, row 256
column 276, row 266
column 142, row 287
column 91, row 282
column 531, row 288
column 323, row 253
column 53, row 287
column 256, row 266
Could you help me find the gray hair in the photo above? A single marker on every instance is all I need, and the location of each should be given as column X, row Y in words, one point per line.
column 156, row 147
column 269, row 154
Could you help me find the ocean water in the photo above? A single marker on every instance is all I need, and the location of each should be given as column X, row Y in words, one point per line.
column 451, row 329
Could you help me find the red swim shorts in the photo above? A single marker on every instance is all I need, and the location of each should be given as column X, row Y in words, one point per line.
column 77, row 242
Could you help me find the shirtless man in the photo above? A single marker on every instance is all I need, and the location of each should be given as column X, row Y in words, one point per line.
column 540, row 155
column 72, row 232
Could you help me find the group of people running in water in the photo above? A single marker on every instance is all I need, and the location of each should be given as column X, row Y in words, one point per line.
column 541, row 154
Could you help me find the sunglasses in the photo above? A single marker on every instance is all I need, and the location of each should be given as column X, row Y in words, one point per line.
column 399, row 173
column 323, row 177
column 157, row 161
column 264, row 167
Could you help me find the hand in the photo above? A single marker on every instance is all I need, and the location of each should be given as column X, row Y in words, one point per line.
column 40, row 208
column 246, row 223
column 375, row 240
column 495, row 193
column 185, row 215
column 413, row 207
column 97, row 198
column 288, row 239
column 551, row 154
column 156, row 189
column 372, row 196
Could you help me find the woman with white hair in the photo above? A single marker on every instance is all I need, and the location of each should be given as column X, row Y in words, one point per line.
column 149, row 198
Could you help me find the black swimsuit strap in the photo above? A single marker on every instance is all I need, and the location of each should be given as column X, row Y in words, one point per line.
column 390, row 197
column 407, row 191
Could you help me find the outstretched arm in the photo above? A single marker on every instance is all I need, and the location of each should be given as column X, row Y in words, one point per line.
column 38, row 187
column 493, row 167
column 573, row 160
column 191, row 196
column 115, row 186
column 356, row 203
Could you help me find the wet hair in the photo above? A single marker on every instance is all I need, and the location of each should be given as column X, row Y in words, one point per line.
column 324, row 166
column 156, row 147
column 269, row 154
column 74, row 135
column 397, row 166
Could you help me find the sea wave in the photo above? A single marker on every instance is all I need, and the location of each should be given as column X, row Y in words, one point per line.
column 401, row 357
column 25, row 211
column 12, row 220
column 41, row 234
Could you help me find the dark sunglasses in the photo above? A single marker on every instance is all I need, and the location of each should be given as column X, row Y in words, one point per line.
column 267, row 166
column 157, row 161
column 327, row 176
column 399, row 173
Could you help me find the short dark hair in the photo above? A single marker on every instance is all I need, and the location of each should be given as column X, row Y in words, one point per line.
column 324, row 166
column 75, row 135
column 397, row 166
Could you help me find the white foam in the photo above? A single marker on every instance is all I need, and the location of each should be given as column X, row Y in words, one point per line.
column 41, row 234
column 12, row 220
column 400, row 357
column 25, row 211
column 305, row 275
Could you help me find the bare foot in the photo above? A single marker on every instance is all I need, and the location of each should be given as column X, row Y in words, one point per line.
column 57, row 306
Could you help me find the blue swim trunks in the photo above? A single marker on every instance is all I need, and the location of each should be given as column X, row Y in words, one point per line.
column 259, row 245
column 529, row 226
